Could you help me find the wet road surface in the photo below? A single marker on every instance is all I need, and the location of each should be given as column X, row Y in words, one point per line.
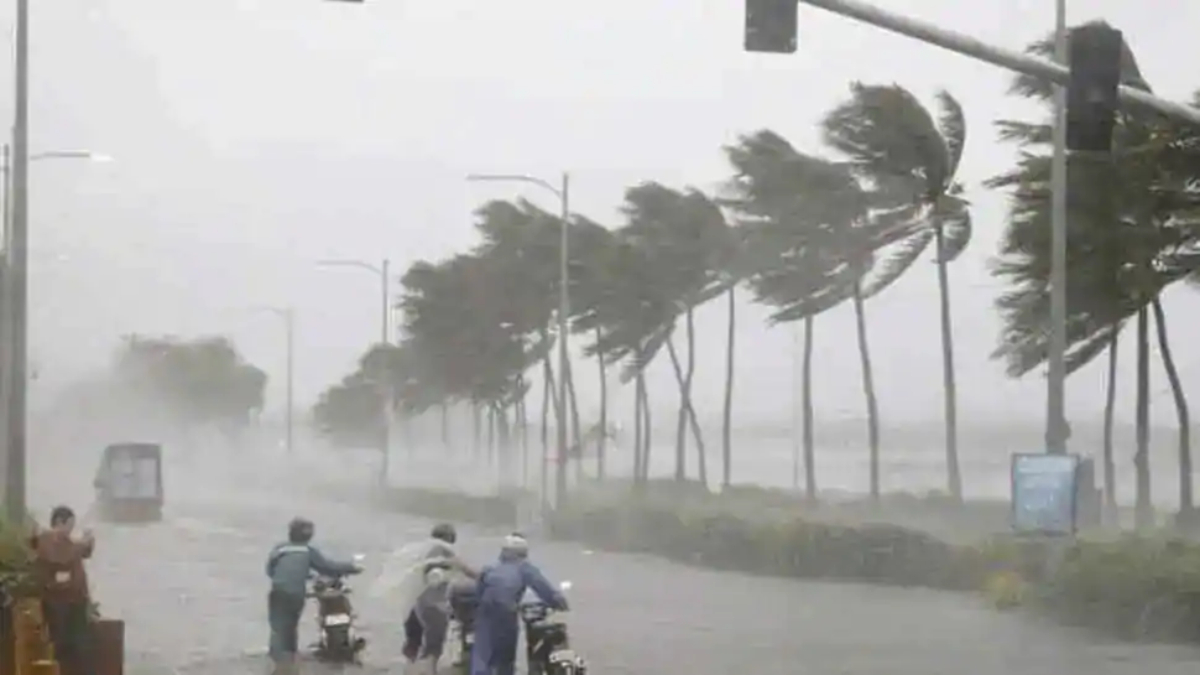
column 192, row 592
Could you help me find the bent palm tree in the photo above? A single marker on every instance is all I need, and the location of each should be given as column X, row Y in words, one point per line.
column 895, row 143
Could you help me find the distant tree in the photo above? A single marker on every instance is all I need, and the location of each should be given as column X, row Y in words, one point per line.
column 203, row 381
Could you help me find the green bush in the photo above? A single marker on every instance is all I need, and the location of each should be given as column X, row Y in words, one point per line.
column 1144, row 587
column 716, row 533
column 496, row 510
column 16, row 559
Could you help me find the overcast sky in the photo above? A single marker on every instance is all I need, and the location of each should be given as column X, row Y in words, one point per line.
column 254, row 137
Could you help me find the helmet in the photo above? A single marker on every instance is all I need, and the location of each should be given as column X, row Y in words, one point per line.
column 300, row 530
column 444, row 532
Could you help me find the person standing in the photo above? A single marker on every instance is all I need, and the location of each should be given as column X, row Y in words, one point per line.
column 501, row 587
column 66, row 600
column 288, row 567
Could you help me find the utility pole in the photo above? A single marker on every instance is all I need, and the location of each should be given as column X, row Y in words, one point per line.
column 382, row 272
column 1056, row 377
column 385, row 385
column 1015, row 61
column 17, row 282
column 563, row 192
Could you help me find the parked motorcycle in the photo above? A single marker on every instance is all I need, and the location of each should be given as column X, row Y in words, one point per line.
column 547, row 642
column 338, row 641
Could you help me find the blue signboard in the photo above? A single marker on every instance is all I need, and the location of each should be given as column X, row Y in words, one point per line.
column 1044, row 493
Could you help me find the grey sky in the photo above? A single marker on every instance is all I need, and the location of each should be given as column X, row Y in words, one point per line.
column 256, row 136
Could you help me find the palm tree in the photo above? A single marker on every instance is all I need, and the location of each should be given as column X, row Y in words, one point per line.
column 1134, row 231
column 809, row 240
column 685, row 234
column 896, row 144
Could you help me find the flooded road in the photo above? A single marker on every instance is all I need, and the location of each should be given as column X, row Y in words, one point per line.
column 191, row 590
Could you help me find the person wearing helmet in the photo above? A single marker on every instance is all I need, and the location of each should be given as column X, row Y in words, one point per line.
column 500, row 588
column 288, row 567
column 427, row 623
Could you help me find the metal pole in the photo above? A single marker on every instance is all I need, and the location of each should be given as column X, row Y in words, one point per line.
column 564, row 311
column 6, row 326
column 1021, row 63
column 18, row 281
column 385, row 434
column 1056, row 441
column 289, row 318
column 795, row 407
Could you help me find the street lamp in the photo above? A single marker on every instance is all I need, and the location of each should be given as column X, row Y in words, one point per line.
column 383, row 271
column 563, row 192
column 14, row 296
column 288, row 314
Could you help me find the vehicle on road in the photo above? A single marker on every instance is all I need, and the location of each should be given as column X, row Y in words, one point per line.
column 129, row 483
column 547, row 640
column 338, row 640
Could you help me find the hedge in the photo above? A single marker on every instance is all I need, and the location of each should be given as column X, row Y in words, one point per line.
column 1143, row 586
column 496, row 510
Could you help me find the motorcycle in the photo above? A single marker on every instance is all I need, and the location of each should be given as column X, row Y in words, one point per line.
column 464, row 601
column 547, row 642
column 338, row 641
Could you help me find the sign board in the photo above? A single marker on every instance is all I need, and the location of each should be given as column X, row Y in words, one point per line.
column 1044, row 495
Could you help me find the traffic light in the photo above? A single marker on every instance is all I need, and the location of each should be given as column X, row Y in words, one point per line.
column 1095, row 64
column 771, row 26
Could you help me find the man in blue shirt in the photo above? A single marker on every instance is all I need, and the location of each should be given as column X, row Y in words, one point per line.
column 289, row 566
column 500, row 589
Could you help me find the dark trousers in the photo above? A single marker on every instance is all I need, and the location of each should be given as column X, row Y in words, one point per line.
column 283, row 615
column 414, row 632
column 69, row 626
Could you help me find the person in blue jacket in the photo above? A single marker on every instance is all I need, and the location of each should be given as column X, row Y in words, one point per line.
column 288, row 566
column 500, row 587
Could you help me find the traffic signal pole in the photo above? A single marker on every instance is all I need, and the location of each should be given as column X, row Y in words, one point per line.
column 980, row 51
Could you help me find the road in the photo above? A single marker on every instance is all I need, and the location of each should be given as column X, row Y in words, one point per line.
column 192, row 593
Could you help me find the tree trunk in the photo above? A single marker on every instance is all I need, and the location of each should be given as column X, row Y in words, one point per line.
column 504, row 452
column 950, row 390
column 1186, row 502
column 445, row 425
column 602, row 442
column 647, row 429
column 549, row 402
column 575, row 434
column 1143, row 509
column 806, row 401
column 523, row 421
column 491, row 434
column 686, row 397
column 727, row 412
column 1110, row 408
column 681, row 420
column 638, row 430
column 868, row 380
column 477, row 429
column 701, row 454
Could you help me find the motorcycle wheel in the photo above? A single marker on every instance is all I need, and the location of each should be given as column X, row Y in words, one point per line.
column 338, row 644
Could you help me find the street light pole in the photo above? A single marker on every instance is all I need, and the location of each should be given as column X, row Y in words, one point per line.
column 386, row 393
column 1015, row 61
column 563, row 192
column 383, row 272
column 1056, row 437
column 16, row 278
